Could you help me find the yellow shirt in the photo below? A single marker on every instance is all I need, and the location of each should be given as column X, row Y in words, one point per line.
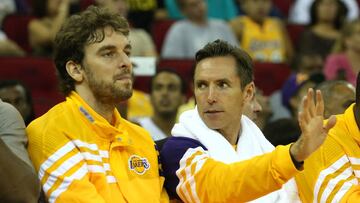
column 332, row 173
column 139, row 105
column 80, row 157
column 263, row 42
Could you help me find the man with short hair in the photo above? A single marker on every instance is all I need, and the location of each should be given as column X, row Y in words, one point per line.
column 187, row 36
column 17, row 94
column 82, row 149
column 338, row 96
column 332, row 172
column 167, row 93
column 203, row 161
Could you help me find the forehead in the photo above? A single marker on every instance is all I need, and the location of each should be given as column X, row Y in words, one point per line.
column 111, row 38
column 216, row 68
column 166, row 77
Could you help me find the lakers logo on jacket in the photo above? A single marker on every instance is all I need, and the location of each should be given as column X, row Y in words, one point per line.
column 138, row 164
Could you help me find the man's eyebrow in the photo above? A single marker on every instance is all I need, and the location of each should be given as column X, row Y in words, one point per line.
column 106, row 47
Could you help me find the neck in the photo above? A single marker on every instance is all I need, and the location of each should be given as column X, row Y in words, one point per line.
column 164, row 122
column 231, row 135
column 200, row 22
column 104, row 107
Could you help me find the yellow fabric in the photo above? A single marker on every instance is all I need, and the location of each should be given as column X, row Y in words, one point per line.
column 250, row 181
column 80, row 157
column 139, row 105
column 332, row 173
column 184, row 107
column 263, row 42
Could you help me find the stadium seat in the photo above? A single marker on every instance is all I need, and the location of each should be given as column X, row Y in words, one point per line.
column 159, row 30
column 283, row 6
column 295, row 32
column 270, row 77
column 38, row 74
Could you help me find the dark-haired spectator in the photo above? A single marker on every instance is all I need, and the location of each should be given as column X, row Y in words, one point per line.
column 338, row 95
column 327, row 18
column 344, row 63
column 263, row 37
column 187, row 36
column 282, row 131
column 300, row 11
column 17, row 94
column 167, row 93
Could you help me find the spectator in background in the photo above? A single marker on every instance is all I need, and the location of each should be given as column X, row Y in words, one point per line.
column 295, row 88
column 300, row 11
column 50, row 15
column 187, row 36
column 344, row 63
column 282, row 131
column 227, row 11
column 274, row 11
column 338, row 96
column 17, row 94
column 167, row 93
column 142, row 13
column 19, row 182
column 257, row 109
column 327, row 18
column 305, row 65
column 141, row 41
column 263, row 37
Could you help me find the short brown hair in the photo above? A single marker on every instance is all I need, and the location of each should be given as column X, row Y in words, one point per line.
column 244, row 66
column 77, row 32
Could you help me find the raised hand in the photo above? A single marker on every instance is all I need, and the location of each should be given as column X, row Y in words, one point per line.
column 313, row 130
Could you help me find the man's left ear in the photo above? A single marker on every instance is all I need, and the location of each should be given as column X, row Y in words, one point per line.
column 249, row 92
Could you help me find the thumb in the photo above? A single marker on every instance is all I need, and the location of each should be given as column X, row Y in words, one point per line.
column 331, row 123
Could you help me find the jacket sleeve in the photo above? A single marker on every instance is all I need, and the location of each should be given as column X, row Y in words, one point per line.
column 203, row 179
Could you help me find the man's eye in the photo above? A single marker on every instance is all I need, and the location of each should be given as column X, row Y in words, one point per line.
column 108, row 54
column 223, row 85
column 200, row 85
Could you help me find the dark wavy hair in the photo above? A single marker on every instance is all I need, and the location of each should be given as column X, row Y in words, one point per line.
column 77, row 32
column 339, row 18
column 219, row 47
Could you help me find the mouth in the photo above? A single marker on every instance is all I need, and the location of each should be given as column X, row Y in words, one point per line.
column 213, row 112
column 123, row 77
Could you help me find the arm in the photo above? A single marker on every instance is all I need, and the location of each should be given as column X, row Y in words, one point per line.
column 237, row 27
column 191, row 174
column 19, row 182
column 41, row 34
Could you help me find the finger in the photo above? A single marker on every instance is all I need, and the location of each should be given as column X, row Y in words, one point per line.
column 301, row 120
column 310, row 96
column 331, row 123
column 305, row 111
column 319, row 104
